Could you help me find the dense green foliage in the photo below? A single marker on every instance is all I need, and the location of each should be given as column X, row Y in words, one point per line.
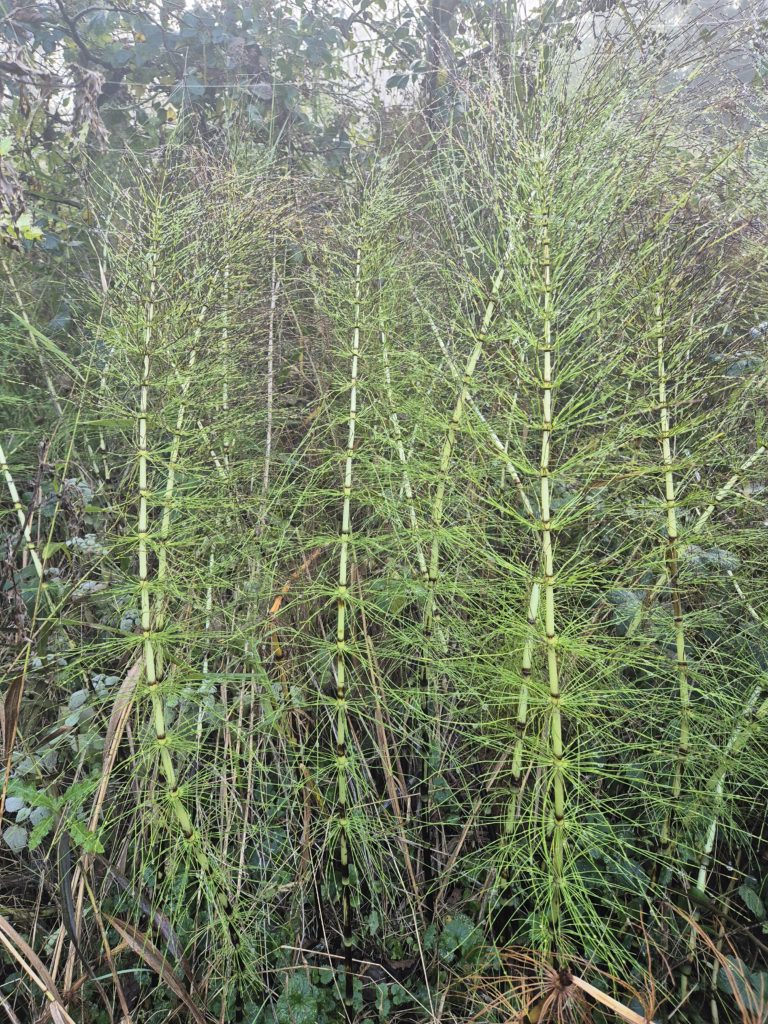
column 384, row 567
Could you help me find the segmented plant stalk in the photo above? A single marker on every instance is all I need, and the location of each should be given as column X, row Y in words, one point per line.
column 548, row 581
column 431, row 618
column 526, row 669
column 342, row 722
column 672, row 573
column 716, row 790
column 697, row 527
column 173, row 459
column 225, row 364
column 32, row 339
column 29, row 542
column 449, row 442
column 270, row 378
column 496, row 441
column 153, row 661
column 533, row 606
column 397, row 435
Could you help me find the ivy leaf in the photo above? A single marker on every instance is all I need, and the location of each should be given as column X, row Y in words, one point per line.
column 15, row 838
column 298, row 1002
column 398, row 81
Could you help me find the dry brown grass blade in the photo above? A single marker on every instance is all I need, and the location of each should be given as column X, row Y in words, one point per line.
column 751, row 1010
column 143, row 946
column 34, row 967
column 609, row 1002
column 9, row 716
column 115, row 727
column 159, row 920
column 77, row 985
column 305, row 566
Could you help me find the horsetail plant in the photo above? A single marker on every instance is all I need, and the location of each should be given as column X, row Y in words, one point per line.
column 547, row 565
column 672, row 559
column 443, row 802
column 342, row 643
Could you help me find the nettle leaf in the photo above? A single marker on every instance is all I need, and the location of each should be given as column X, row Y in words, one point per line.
column 752, row 901
column 84, row 838
column 747, row 987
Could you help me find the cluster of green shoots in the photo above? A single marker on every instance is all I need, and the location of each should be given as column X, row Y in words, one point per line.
column 417, row 527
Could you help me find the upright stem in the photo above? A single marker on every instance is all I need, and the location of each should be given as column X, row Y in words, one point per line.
column 32, row 339
column 29, row 542
column 342, row 724
column 697, row 527
column 270, row 375
column 431, row 612
column 225, row 365
column 153, row 662
column 672, row 572
column 548, row 581
column 397, row 434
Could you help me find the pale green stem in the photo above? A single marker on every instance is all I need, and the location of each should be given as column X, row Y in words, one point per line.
column 270, row 379
column 548, row 585
column 32, row 338
column 672, row 573
column 152, row 663
column 696, row 528
column 225, row 362
column 29, row 543
column 342, row 725
column 401, row 454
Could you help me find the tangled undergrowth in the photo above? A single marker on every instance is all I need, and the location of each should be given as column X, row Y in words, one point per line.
column 386, row 601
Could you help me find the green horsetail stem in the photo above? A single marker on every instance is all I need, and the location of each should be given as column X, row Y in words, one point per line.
column 533, row 606
column 342, row 723
column 526, row 668
column 170, row 482
column 32, row 339
column 672, row 573
column 225, row 361
column 431, row 619
column 546, row 369
column 397, row 435
column 716, row 790
column 29, row 543
column 270, row 398
column 696, row 528
column 496, row 441
column 153, row 662
column 463, row 399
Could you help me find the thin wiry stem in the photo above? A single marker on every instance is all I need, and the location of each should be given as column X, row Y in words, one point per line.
column 29, row 542
column 342, row 721
column 397, row 435
column 33, row 339
column 275, row 287
column 431, row 615
column 548, row 578
column 153, row 660
column 672, row 559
